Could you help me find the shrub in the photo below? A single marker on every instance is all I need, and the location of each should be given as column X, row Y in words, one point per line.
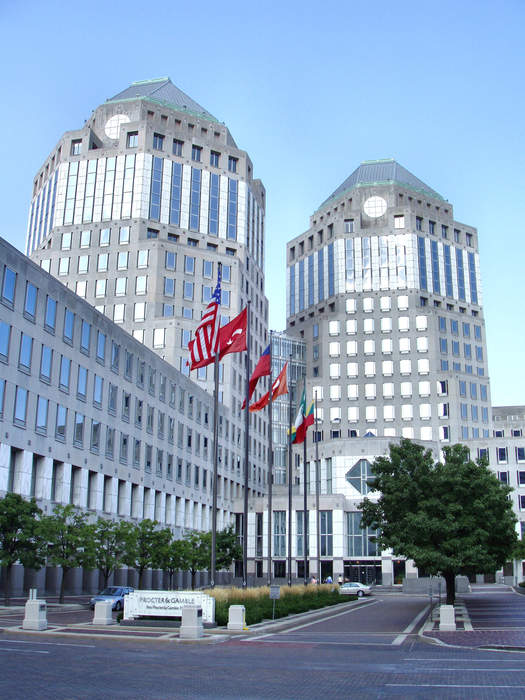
column 294, row 599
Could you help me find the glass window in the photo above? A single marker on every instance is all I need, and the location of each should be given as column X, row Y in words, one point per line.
column 141, row 285
column 8, row 286
column 46, row 359
column 196, row 152
column 97, row 390
column 26, row 352
column 51, row 313
column 188, row 291
column 142, row 258
column 82, row 383
column 65, row 370
column 42, row 406
column 170, row 260
column 189, row 265
column 5, row 335
column 60, row 424
column 122, row 260
column 226, row 273
column 132, row 140
column 123, row 236
column 158, row 142
column 66, row 241
column 232, row 164
column 214, row 159
column 63, row 267
column 20, row 406
column 105, row 237
column 139, row 311
column 177, row 147
column 85, row 337
column 118, row 313
column 81, row 288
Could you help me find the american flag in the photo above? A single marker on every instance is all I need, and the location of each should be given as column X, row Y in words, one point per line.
column 204, row 346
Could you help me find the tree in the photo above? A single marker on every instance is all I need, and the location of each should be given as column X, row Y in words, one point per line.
column 19, row 539
column 451, row 518
column 110, row 539
column 196, row 553
column 173, row 558
column 69, row 542
column 228, row 548
column 144, row 546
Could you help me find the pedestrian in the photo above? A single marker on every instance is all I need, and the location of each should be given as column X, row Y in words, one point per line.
column 328, row 579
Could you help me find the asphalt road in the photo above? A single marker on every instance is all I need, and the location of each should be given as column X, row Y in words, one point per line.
column 368, row 651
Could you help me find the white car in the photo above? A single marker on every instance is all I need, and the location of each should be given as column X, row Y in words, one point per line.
column 354, row 588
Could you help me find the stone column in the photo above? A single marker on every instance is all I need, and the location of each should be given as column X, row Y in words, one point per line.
column 5, row 456
column 44, row 479
column 98, row 496
column 23, row 473
column 125, row 498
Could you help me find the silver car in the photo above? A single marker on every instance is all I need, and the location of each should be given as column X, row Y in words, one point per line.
column 354, row 588
column 113, row 593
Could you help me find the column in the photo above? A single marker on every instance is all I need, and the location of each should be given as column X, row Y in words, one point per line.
column 23, row 472
column 44, row 478
column 5, row 456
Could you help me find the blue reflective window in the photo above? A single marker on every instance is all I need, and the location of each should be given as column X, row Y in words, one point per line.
column 474, row 412
column 484, row 414
column 331, row 280
column 483, row 392
column 310, row 280
column 444, row 365
column 477, row 332
column 82, row 382
column 169, row 287
column 85, row 337
column 472, row 278
column 168, row 309
column 158, row 142
column 462, row 388
column 466, row 329
column 156, row 189
column 41, row 414
column 448, row 271
column 51, row 314
column 479, row 353
column 320, row 274
column 231, row 231
column 442, row 324
column 45, row 363
column 349, row 264
column 101, row 346
column 436, row 283
column 455, row 348
column 422, row 259
column 176, row 188
column 26, row 351
column 30, row 301
column 473, row 390
column 8, row 286
column 196, row 152
column 69, row 324
column 292, row 289
column 301, row 285
column 467, row 349
column 463, row 410
column 443, row 345
column 170, row 260
column 20, row 405
column 456, row 366
column 65, row 369
column 213, row 218
column 177, row 147
column 195, row 198
column 454, row 327
column 461, row 274
column 5, row 334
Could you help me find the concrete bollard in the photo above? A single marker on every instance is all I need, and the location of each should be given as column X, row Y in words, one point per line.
column 103, row 614
column 35, row 617
column 191, row 623
column 447, row 619
column 236, row 618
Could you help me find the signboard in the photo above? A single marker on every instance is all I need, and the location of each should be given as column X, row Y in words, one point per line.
column 275, row 592
column 166, row 604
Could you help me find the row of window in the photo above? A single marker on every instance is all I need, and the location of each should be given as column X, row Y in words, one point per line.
column 178, row 149
column 368, row 347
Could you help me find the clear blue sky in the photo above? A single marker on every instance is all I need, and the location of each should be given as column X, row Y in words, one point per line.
column 309, row 90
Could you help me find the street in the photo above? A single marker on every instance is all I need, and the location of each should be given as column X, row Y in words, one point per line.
column 368, row 650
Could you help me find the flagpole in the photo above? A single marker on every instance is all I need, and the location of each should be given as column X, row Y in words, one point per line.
column 317, row 492
column 215, row 455
column 305, row 504
column 290, row 472
column 246, row 451
column 270, row 468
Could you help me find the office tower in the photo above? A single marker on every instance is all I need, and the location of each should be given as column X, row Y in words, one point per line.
column 134, row 211
column 385, row 289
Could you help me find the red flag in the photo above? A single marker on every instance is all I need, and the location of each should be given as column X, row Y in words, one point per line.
column 204, row 346
column 232, row 336
column 279, row 388
column 262, row 369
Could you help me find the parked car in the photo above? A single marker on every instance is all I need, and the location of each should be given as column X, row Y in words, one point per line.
column 354, row 588
column 115, row 594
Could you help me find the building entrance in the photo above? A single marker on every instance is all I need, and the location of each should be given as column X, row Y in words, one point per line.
column 366, row 571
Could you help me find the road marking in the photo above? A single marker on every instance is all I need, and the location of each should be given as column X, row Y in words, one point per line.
column 448, row 685
column 25, row 651
column 401, row 637
column 441, row 659
column 313, row 622
column 54, row 644
column 313, row 642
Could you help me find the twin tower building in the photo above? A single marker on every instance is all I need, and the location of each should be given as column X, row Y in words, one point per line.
column 134, row 211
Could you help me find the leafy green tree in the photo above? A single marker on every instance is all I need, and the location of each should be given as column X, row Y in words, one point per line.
column 451, row 518
column 69, row 542
column 19, row 538
column 196, row 553
column 172, row 557
column 110, row 540
column 144, row 546
column 228, row 548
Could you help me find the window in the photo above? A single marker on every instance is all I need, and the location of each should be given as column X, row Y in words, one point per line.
column 152, row 233
column 169, row 287
column 189, row 265
column 139, row 311
column 100, row 288
column 83, row 264
column 399, row 221
column 66, row 241
column 158, row 142
column 5, row 335
column 188, row 291
column 349, row 225
column 132, row 140
column 196, row 152
column 122, row 260
column 85, row 337
column 46, row 360
column 42, row 406
column 76, row 147
column 85, row 239
column 63, row 267
column 142, row 258
column 419, row 223
column 501, row 455
column 177, row 147
column 65, row 369
column 20, row 410
column 82, row 383
column 141, row 285
column 26, row 352
column 81, row 288
column 170, row 260
column 118, row 313
column 8, row 286
column 232, row 164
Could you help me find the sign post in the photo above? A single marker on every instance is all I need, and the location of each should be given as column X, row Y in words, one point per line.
column 275, row 594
